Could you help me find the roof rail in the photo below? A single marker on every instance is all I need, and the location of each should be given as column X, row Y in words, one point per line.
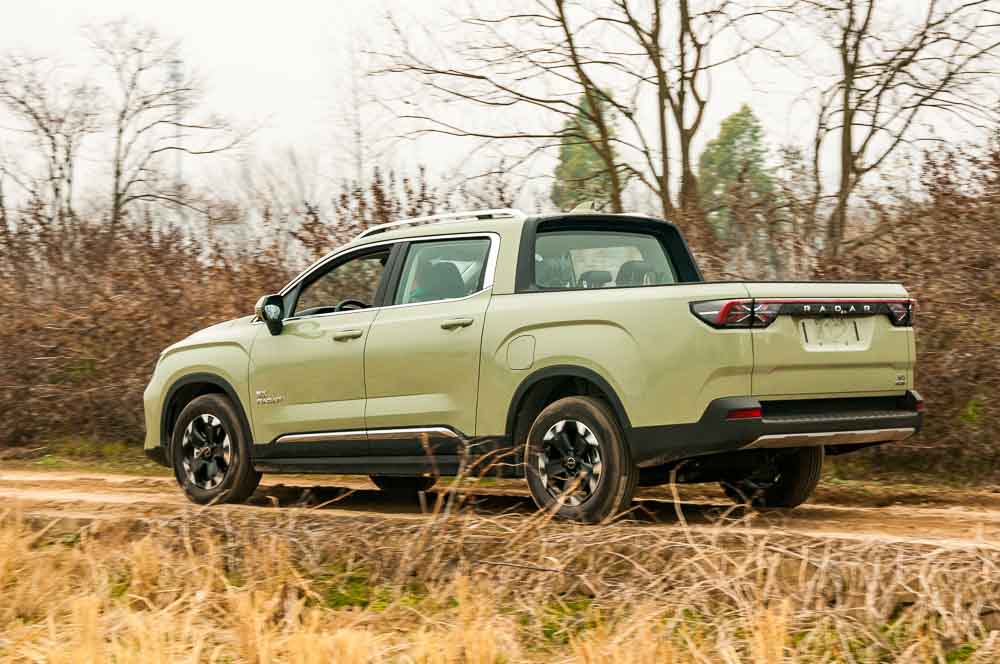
column 446, row 218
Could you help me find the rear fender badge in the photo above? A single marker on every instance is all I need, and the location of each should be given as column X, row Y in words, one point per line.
column 265, row 399
column 900, row 379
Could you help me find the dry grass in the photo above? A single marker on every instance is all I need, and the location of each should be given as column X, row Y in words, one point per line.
column 260, row 586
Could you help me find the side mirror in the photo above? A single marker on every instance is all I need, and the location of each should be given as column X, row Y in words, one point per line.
column 270, row 310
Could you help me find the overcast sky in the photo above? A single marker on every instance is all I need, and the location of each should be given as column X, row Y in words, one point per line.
column 283, row 65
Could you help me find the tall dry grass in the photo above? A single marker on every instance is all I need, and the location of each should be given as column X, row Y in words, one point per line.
column 255, row 586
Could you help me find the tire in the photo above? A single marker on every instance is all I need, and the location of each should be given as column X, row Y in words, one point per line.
column 398, row 484
column 787, row 484
column 601, row 481
column 227, row 476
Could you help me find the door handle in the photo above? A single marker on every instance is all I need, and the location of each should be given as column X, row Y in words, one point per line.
column 344, row 335
column 456, row 323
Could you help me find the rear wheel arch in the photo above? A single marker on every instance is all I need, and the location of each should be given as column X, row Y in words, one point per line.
column 188, row 388
column 550, row 384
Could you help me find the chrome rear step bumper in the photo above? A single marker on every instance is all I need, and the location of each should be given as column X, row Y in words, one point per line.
column 779, row 440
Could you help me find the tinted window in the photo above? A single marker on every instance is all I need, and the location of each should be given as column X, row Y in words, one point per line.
column 357, row 279
column 600, row 259
column 442, row 270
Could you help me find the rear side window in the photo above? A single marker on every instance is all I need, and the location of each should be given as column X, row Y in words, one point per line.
column 600, row 259
column 442, row 270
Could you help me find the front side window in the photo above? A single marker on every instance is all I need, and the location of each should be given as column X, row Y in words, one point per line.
column 600, row 259
column 442, row 270
column 349, row 285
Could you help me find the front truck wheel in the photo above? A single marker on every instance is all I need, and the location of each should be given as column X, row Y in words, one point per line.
column 577, row 463
column 787, row 481
column 210, row 453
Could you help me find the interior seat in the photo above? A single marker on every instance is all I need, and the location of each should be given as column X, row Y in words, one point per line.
column 443, row 281
column 595, row 278
column 633, row 273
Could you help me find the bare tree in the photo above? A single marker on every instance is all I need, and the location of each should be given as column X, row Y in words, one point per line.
column 154, row 115
column 55, row 117
column 500, row 73
column 635, row 60
column 891, row 74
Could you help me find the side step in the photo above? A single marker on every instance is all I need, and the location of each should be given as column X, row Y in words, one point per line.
column 386, row 465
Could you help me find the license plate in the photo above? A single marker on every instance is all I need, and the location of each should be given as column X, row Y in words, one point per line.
column 830, row 332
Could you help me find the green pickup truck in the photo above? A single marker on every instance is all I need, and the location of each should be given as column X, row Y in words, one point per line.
column 582, row 352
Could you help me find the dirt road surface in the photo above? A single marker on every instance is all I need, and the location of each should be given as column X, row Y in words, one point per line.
column 880, row 512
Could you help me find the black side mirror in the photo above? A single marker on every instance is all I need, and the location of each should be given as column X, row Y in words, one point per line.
column 271, row 310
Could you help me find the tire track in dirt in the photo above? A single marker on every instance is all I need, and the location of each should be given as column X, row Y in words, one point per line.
column 958, row 518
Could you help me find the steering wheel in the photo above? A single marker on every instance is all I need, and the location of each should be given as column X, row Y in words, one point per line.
column 343, row 305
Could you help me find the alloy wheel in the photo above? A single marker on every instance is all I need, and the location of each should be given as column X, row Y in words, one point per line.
column 569, row 463
column 207, row 451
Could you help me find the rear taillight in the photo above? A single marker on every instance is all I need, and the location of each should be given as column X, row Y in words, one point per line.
column 901, row 313
column 736, row 313
column 744, row 314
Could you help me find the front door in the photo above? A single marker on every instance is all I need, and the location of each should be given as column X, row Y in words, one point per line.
column 422, row 356
column 310, row 378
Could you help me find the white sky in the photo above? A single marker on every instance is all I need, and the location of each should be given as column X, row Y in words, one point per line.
column 263, row 61
column 279, row 64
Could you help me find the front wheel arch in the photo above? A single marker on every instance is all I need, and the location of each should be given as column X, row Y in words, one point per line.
column 188, row 388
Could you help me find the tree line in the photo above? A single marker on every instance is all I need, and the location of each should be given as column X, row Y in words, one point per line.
column 625, row 85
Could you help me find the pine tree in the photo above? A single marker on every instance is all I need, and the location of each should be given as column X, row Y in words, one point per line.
column 581, row 174
column 732, row 170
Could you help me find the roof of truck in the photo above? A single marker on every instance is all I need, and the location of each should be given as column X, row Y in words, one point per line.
column 512, row 221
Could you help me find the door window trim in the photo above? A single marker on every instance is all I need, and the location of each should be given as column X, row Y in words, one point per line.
column 489, row 270
column 393, row 270
column 293, row 290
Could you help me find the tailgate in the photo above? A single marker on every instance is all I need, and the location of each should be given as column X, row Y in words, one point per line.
column 832, row 339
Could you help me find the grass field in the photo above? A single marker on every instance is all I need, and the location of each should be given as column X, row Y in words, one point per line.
column 258, row 585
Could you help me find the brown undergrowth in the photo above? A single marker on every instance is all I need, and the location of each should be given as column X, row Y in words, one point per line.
column 86, row 313
column 237, row 586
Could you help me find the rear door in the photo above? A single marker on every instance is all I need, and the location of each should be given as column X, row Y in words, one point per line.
column 832, row 339
column 422, row 355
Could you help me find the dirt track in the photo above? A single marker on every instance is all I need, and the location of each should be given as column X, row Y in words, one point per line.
column 877, row 512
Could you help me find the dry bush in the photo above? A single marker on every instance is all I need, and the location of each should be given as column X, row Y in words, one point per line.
column 256, row 586
column 87, row 313
column 945, row 249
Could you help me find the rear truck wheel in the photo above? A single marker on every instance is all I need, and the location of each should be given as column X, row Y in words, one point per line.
column 396, row 484
column 577, row 463
column 788, row 481
column 210, row 454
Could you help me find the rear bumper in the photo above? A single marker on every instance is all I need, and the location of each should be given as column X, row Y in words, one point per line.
column 830, row 422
